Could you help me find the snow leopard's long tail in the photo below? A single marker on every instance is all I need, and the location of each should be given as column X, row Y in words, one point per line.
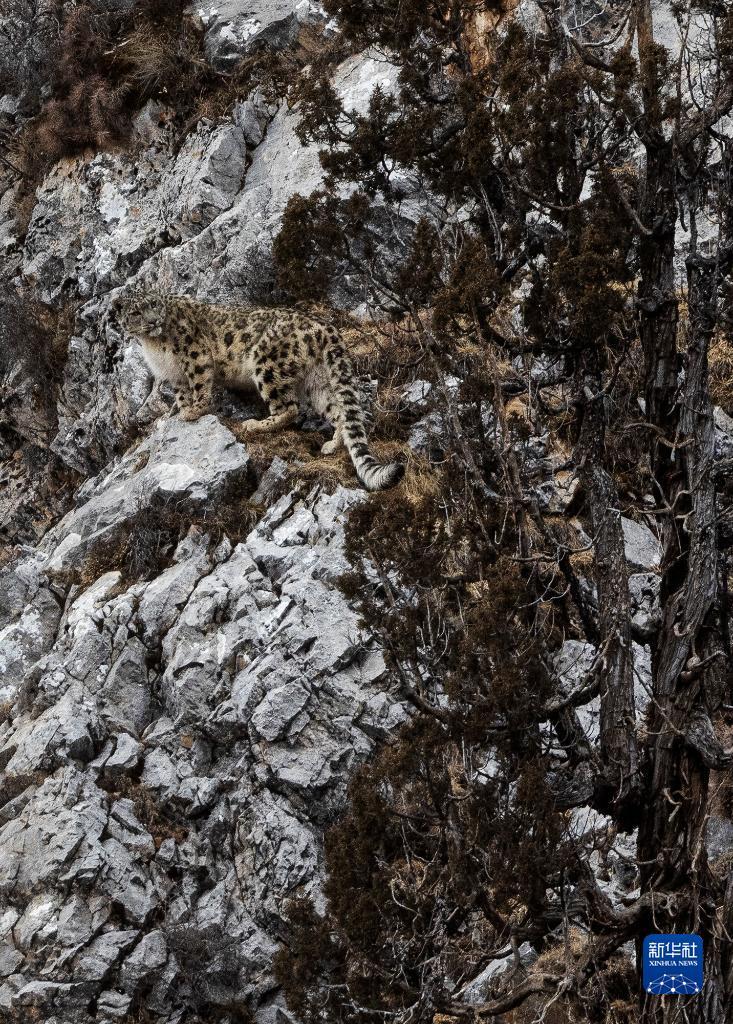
column 374, row 475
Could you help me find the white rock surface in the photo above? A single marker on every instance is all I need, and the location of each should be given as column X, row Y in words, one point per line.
column 184, row 743
column 123, row 203
column 643, row 549
column 178, row 462
column 572, row 663
column 478, row 991
column 646, row 613
column 233, row 254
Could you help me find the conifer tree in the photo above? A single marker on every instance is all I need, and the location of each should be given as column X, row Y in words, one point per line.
column 572, row 162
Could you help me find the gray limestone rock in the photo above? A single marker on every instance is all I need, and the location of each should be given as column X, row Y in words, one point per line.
column 643, row 549
column 723, row 434
column 572, row 663
column 126, row 755
column 55, row 832
column 719, row 838
column 235, row 27
column 186, row 741
column 64, row 733
column 113, row 1005
column 232, row 256
column 646, row 612
column 478, row 990
column 31, row 630
column 96, row 960
column 144, row 962
column 178, row 462
column 124, row 204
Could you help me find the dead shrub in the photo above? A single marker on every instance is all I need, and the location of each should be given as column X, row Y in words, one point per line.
column 33, row 332
column 106, row 65
column 158, row 53
column 34, row 343
column 211, row 963
column 721, row 372
column 12, row 786
column 143, row 546
column 160, row 818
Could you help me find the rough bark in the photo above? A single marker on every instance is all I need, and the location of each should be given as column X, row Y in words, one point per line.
column 671, row 838
column 618, row 787
column 671, row 848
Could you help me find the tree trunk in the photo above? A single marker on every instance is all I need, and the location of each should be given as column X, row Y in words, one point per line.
column 617, row 791
column 671, row 848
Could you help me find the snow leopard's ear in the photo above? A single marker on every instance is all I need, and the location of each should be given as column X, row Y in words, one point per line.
column 116, row 306
column 129, row 298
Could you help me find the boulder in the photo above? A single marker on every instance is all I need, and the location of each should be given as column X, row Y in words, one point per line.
column 236, row 27
column 22, row 640
column 643, row 549
column 645, row 609
column 179, row 462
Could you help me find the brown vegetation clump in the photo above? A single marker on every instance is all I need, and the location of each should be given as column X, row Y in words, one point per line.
column 159, row 817
column 34, row 342
column 721, row 372
column 105, row 65
column 12, row 786
column 145, row 544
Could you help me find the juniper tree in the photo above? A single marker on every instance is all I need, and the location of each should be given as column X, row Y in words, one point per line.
column 571, row 162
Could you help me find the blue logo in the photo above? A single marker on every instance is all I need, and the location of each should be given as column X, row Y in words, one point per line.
column 672, row 965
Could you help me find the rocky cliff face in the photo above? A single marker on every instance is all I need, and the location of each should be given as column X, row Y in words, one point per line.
column 179, row 728
column 181, row 745
column 172, row 748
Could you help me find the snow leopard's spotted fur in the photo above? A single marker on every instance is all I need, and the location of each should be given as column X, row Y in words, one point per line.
column 288, row 355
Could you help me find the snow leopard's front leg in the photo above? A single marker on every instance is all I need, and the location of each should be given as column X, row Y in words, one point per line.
column 194, row 395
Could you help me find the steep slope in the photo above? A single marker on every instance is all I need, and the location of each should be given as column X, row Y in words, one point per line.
column 188, row 684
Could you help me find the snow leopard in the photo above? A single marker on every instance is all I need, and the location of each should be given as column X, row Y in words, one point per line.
column 290, row 357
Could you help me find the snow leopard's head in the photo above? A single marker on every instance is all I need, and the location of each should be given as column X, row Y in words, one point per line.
column 140, row 311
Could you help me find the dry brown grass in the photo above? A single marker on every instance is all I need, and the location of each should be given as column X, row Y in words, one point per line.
column 159, row 817
column 422, row 482
column 301, row 450
column 721, row 373
column 157, row 53
column 12, row 786
column 518, row 408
